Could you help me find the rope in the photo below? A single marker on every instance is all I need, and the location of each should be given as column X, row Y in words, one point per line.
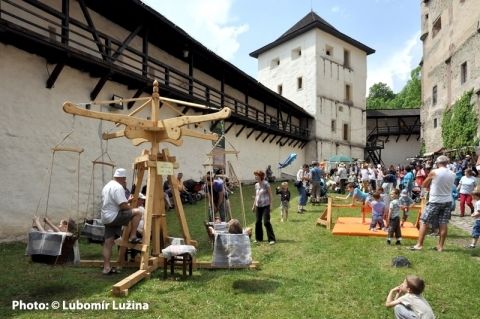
column 49, row 182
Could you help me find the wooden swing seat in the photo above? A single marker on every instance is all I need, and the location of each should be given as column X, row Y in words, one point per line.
column 52, row 248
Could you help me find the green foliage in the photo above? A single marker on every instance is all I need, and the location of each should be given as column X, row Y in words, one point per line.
column 422, row 148
column 411, row 94
column 382, row 97
column 379, row 95
column 459, row 123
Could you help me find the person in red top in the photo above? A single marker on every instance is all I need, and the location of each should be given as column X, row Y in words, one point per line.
column 420, row 175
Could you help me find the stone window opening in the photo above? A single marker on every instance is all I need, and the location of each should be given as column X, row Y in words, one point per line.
column 437, row 26
column 463, row 73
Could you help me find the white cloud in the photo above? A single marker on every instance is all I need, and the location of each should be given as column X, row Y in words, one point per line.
column 335, row 9
column 208, row 21
column 395, row 70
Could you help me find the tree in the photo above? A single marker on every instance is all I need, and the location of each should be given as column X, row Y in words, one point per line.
column 411, row 94
column 379, row 96
column 382, row 97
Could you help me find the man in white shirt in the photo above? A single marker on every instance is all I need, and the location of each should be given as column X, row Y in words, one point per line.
column 116, row 212
column 440, row 181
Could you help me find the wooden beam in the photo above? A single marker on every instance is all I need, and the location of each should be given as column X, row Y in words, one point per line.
column 125, row 43
column 291, row 142
column 240, row 132
column 136, row 95
column 99, row 86
column 145, row 53
column 258, row 136
column 54, row 75
column 250, row 133
column 65, row 21
column 91, row 26
column 265, row 137
column 229, row 127
column 274, row 136
column 294, row 145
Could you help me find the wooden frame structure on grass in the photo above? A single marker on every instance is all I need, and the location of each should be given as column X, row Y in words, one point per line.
column 325, row 218
column 155, row 163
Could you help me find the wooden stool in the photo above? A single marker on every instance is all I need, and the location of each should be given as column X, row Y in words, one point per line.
column 177, row 260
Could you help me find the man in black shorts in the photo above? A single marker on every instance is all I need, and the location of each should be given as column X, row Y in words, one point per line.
column 116, row 212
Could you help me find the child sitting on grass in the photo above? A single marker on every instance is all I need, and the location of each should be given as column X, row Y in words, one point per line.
column 393, row 218
column 284, row 200
column 378, row 207
column 405, row 204
column 407, row 300
column 476, row 215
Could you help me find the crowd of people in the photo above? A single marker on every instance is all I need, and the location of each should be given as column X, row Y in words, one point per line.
column 390, row 193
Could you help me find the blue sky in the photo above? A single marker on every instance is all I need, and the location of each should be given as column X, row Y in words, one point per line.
column 234, row 28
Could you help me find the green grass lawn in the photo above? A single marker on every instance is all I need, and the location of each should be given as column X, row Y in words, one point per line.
column 308, row 274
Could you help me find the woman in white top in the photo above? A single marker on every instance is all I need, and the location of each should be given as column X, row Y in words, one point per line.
column 465, row 187
column 364, row 178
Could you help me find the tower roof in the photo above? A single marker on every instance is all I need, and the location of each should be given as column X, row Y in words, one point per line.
column 312, row 21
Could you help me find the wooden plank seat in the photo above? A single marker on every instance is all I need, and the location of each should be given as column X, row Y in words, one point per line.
column 53, row 248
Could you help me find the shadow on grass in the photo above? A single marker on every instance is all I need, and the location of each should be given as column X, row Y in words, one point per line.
column 255, row 286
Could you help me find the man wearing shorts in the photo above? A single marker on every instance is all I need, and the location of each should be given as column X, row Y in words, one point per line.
column 438, row 209
column 116, row 212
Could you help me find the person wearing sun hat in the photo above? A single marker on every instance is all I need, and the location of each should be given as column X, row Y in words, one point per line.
column 438, row 210
column 117, row 212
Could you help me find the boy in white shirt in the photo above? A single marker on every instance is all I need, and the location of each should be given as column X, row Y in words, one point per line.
column 408, row 301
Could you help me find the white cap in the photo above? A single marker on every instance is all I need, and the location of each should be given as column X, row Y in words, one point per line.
column 379, row 165
column 120, row 172
column 442, row 159
column 141, row 196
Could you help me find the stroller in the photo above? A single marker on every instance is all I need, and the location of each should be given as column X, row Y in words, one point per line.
column 194, row 188
column 416, row 194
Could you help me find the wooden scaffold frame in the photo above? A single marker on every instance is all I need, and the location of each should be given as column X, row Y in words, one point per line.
column 154, row 163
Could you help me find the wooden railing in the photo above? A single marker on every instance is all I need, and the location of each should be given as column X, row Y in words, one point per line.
column 43, row 23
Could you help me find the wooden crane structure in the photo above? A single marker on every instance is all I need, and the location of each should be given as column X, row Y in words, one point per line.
column 156, row 163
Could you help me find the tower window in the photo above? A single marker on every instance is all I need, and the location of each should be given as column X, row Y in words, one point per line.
column 437, row 26
column 346, row 58
column 329, row 50
column 296, row 53
column 463, row 73
column 275, row 63
column 280, row 89
column 348, row 93
column 345, row 132
column 434, row 95
column 299, row 83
